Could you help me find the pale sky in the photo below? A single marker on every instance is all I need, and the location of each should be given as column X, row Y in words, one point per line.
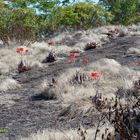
column 92, row 0
column 95, row 0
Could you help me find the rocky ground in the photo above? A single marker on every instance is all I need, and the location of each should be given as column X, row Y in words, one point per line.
column 26, row 116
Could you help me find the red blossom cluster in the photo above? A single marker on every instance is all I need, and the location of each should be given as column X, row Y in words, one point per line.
column 69, row 62
column 22, row 66
column 95, row 75
column 72, row 57
column 21, row 50
column 18, row 50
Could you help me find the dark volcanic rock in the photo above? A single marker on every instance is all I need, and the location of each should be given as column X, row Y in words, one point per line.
column 50, row 58
column 91, row 45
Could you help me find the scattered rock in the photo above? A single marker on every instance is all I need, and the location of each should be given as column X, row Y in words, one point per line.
column 91, row 45
column 50, row 58
column 51, row 43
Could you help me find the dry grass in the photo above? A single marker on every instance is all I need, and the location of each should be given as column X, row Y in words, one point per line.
column 7, row 84
column 119, row 122
column 114, row 76
column 67, row 135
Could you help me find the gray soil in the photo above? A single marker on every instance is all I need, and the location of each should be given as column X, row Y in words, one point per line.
column 27, row 116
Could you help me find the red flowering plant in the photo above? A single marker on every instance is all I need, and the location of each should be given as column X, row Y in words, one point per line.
column 22, row 66
column 69, row 62
column 96, row 75
column 72, row 57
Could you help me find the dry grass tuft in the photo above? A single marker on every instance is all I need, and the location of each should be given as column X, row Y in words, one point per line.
column 7, row 84
column 133, row 51
column 80, row 134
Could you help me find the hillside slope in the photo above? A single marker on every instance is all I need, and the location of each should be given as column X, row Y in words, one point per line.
column 23, row 116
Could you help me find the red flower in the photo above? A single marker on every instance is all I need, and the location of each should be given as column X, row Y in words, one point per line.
column 69, row 62
column 26, row 51
column 21, row 49
column 95, row 75
column 73, row 55
column 18, row 50
column 93, row 78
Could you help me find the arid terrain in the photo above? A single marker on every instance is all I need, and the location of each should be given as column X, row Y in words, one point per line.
column 25, row 110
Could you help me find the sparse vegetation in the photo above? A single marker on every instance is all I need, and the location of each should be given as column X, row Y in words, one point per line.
column 88, row 85
column 89, row 88
column 22, row 66
column 122, row 120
